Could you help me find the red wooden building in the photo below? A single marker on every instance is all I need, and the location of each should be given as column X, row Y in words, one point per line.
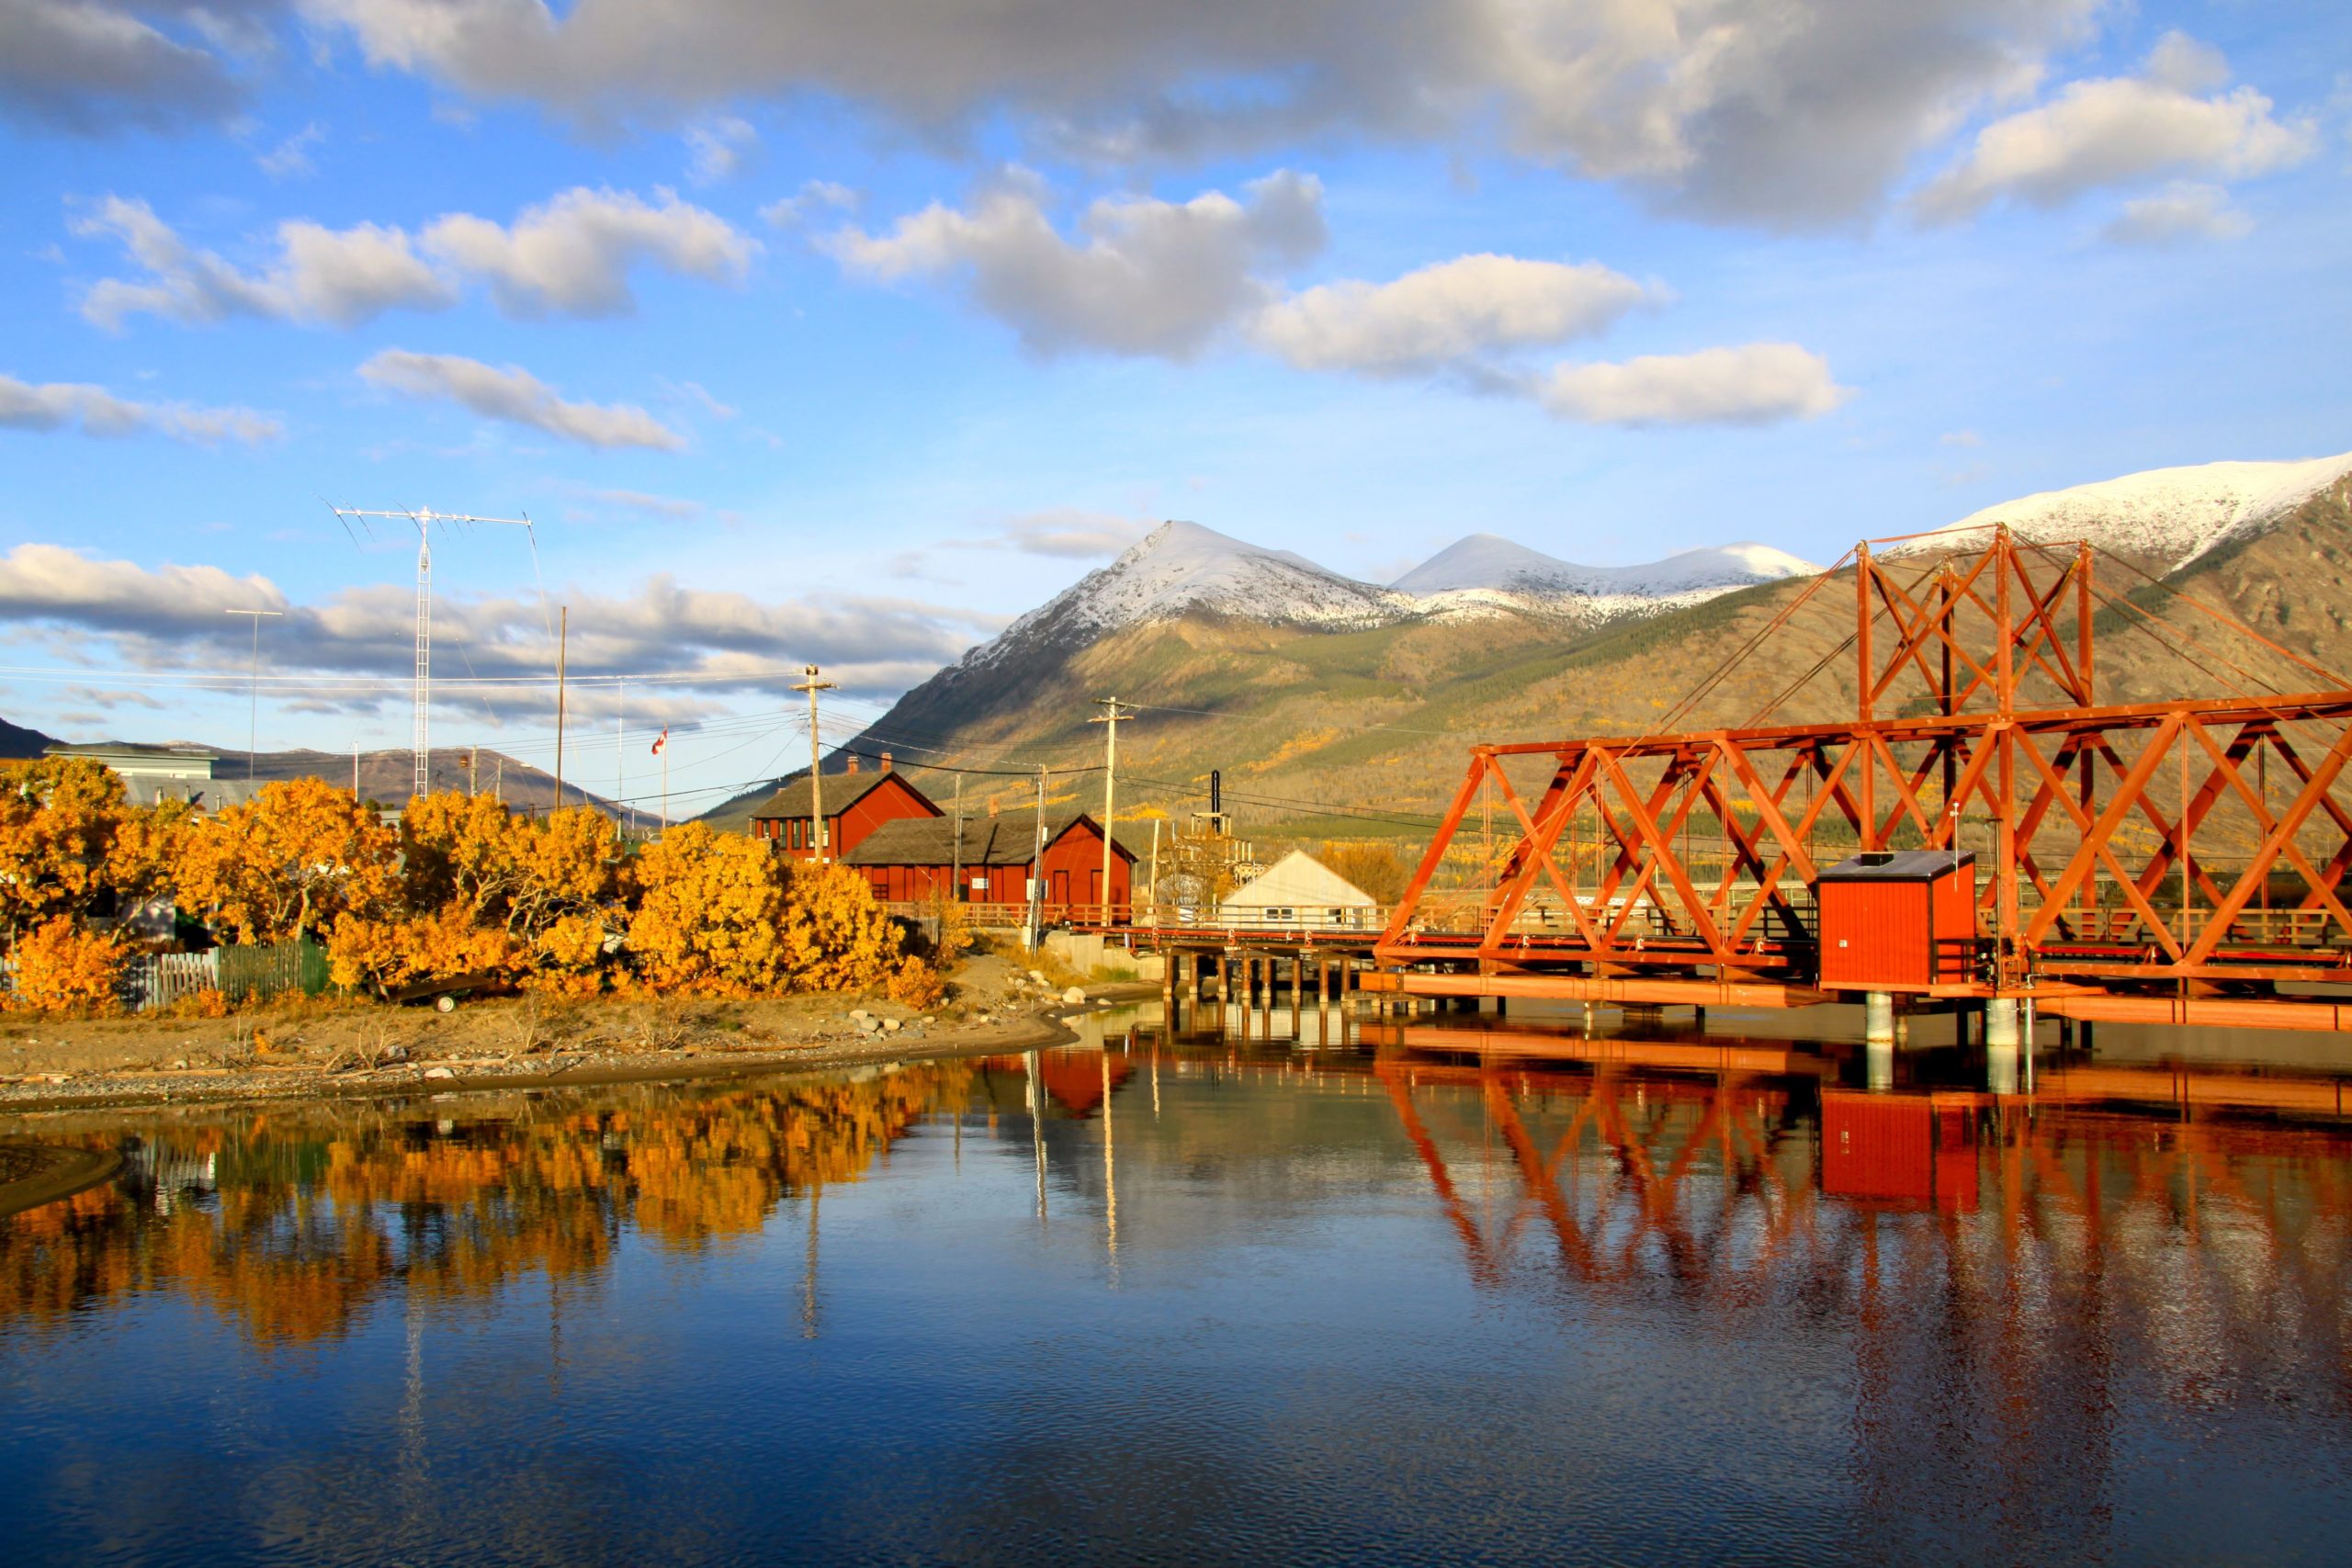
column 910, row 860
column 856, row 804
column 1898, row 920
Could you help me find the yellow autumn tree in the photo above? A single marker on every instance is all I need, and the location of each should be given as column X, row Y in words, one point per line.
column 288, row 862
column 836, row 937
column 550, row 885
column 569, row 868
column 459, row 851
column 372, row 954
column 63, row 966
column 709, row 916
column 143, row 863
column 59, row 819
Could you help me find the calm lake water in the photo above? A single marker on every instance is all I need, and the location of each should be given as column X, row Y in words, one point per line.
column 1456, row 1291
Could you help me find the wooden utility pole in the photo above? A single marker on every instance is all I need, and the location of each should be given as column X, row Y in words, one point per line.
column 956, row 876
column 1110, row 718
column 1152, row 897
column 473, row 771
column 812, row 685
column 1037, row 869
column 562, row 646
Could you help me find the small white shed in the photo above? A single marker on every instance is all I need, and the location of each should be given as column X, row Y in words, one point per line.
column 1299, row 891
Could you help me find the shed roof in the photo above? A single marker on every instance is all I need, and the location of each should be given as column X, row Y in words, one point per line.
column 1299, row 880
column 1008, row 840
column 841, row 792
column 129, row 748
column 1898, row 865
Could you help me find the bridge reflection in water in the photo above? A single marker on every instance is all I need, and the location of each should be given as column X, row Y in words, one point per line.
column 1999, row 1317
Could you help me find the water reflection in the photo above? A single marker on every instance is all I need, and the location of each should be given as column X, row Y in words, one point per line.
column 288, row 1221
column 1417, row 1290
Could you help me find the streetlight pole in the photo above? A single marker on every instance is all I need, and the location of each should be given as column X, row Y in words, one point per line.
column 253, row 703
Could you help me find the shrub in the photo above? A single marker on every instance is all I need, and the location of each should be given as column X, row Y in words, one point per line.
column 60, row 966
column 916, row 985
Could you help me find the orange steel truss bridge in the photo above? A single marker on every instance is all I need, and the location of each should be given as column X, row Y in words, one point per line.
column 2180, row 861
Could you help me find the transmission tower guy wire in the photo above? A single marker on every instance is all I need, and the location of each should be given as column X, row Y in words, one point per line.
column 422, row 519
column 253, row 701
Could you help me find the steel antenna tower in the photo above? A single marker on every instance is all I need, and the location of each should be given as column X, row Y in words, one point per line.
column 422, row 519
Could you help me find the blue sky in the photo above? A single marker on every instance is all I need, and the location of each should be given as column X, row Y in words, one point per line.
column 841, row 334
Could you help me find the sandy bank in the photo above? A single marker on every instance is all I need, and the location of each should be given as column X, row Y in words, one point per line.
column 345, row 1049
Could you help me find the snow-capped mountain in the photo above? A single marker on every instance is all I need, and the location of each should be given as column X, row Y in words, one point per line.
column 1487, row 563
column 2170, row 516
column 2166, row 516
column 1181, row 566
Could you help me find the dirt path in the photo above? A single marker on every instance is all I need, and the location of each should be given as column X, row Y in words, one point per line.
column 319, row 1049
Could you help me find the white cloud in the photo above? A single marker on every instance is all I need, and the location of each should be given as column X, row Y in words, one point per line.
column 517, row 397
column 654, row 505
column 170, row 617
column 571, row 255
column 1959, row 438
column 2182, row 212
column 1143, row 276
column 1780, row 112
column 291, row 158
column 338, row 277
column 94, row 411
column 1068, row 533
column 93, row 66
column 720, row 147
column 1760, row 383
column 2183, row 63
column 1453, row 314
column 813, row 196
column 2121, row 131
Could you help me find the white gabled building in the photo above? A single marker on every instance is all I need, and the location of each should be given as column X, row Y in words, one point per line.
column 1300, row 893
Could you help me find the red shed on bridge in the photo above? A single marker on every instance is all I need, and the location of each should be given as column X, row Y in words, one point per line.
column 1898, row 920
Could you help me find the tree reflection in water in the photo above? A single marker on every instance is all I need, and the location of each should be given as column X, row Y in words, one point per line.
column 288, row 1222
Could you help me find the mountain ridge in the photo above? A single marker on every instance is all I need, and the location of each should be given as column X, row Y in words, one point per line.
column 1368, row 715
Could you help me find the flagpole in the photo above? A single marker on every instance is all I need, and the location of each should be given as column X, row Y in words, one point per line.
column 661, row 749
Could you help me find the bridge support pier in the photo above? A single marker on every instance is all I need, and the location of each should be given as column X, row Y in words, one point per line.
column 1878, row 1018
column 2001, row 1070
column 2001, row 1025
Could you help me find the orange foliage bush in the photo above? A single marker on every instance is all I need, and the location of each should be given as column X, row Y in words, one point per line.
column 916, row 985
column 719, row 915
column 58, row 821
column 836, row 937
column 60, row 966
column 710, row 915
column 288, row 862
column 385, row 955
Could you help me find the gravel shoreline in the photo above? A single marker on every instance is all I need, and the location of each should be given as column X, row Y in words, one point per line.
column 589, row 1043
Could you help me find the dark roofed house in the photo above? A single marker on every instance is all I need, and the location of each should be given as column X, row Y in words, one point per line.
column 912, row 860
column 150, row 774
column 856, row 804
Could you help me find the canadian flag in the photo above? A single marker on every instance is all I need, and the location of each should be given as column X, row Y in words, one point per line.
column 661, row 741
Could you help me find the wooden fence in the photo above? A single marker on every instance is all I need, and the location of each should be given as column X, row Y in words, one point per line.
column 149, row 981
